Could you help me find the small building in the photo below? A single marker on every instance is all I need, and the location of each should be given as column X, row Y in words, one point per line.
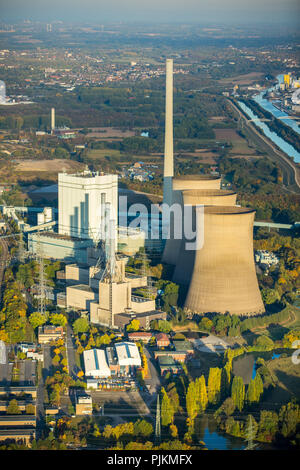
column 49, row 333
column 123, row 319
column 143, row 336
column 185, row 346
column 84, row 405
column 167, row 364
column 95, row 363
column 128, row 354
column 162, row 340
column 211, row 344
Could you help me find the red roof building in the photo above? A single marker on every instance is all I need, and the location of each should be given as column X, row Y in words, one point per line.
column 162, row 340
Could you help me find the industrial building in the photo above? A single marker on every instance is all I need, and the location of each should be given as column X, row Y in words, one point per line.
column 95, row 363
column 120, row 360
column 87, row 201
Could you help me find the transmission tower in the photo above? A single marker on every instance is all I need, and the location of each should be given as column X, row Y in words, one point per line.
column 21, row 249
column 250, row 435
column 157, row 420
column 145, row 274
column 42, row 283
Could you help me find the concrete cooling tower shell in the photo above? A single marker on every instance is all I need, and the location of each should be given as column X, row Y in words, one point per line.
column 194, row 197
column 209, row 197
column 196, row 182
column 181, row 183
column 223, row 277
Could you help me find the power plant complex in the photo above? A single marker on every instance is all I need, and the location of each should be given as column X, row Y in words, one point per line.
column 217, row 276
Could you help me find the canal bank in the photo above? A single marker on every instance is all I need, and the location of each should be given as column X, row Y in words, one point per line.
column 290, row 171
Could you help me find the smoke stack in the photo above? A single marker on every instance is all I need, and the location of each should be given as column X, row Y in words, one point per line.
column 52, row 120
column 169, row 153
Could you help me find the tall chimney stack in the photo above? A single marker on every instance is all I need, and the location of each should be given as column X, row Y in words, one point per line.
column 52, row 120
column 169, row 153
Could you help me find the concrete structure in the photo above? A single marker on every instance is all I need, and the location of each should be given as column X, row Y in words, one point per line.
column 168, row 364
column 2, row 92
column 95, row 363
column 130, row 240
column 48, row 333
column 180, row 184
column 169, row 153
column 46, row 216
column 80, row 297
column 143, row 336
column 87, row 202
column 123, row 319
column 211, row 344
column 52, row 120
column 83, row 405
column 223, row 277
column 19, row 390
column 128, row 354
column 162, row 340
column 2, row 352
column 56, row 246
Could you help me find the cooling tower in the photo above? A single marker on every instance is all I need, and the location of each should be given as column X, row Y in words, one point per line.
column 196, row 182
column 205, row 197
column 181, row 183
column 223, row 277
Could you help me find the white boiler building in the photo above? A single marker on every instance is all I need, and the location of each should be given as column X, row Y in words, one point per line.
column 85, row 201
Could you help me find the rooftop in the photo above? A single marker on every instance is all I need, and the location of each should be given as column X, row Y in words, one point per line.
column 183, row 345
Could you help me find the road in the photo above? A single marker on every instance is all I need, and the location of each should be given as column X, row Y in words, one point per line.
column 40, row 410
column 291, row 175
column 3, row 262
column 72, row 366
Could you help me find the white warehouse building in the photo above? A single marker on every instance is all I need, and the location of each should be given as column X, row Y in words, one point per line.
column 128, row 354
column 95, row 363
column 85, row 201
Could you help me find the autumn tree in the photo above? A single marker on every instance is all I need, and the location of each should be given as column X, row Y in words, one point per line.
column 238, row 392
column 214, row 385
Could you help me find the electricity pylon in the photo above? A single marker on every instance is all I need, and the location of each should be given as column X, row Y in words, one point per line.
column 250, row 435
column 157, row 420
column 42, row 287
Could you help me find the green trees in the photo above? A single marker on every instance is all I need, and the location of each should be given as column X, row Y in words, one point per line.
column 161, row 325
column 134, row 325
column 13, row 408
column 255, row 390
column 263, row 343
column 58, row 319
column 214, row 385
column 196, row 399
column 143, row 428
column 167, row 410
column 81, row 325
column 238, row 392
column 201, row 393
column 36, row 320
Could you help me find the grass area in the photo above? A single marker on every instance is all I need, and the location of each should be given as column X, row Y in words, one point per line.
column 191, row 326
column 102, row 153
column 287, row 377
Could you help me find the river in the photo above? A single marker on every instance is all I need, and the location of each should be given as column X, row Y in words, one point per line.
column 268, row 106
column 273, row 136
column 214, row 439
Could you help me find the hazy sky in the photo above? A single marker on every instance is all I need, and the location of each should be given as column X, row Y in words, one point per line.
column 217, row 11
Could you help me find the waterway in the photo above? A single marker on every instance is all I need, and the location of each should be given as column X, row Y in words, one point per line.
column 214, row 439
column 281, row 143
column 268, row 106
